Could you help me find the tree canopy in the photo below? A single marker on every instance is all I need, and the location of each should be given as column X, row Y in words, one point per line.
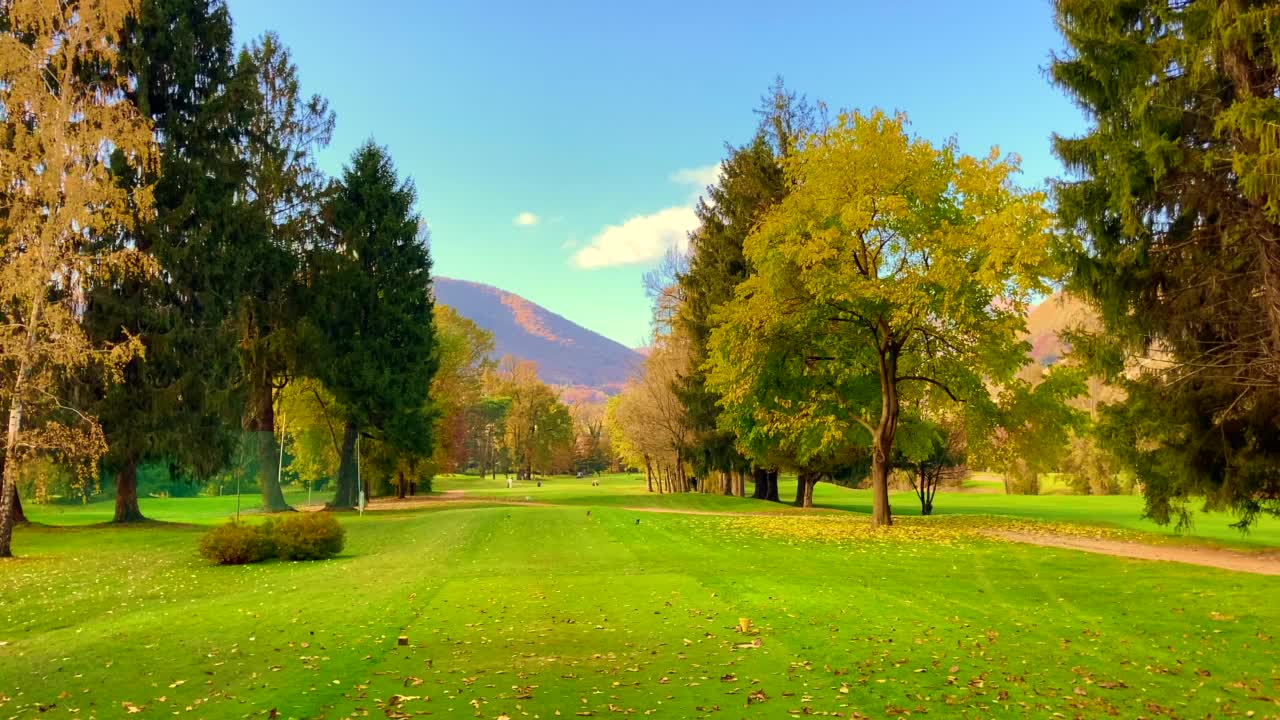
column 1174, row 189
column 895, row 271
column 374, row 346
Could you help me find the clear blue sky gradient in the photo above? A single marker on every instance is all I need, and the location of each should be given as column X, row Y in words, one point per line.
column 580, row 112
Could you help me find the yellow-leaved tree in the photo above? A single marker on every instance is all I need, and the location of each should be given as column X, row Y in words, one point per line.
column 71, row 147
column 895, row 275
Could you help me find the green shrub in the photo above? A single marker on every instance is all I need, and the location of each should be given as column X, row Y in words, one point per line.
column 236, row 544
column 307, row 536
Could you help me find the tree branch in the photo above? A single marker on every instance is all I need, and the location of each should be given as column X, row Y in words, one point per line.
column 931, row 381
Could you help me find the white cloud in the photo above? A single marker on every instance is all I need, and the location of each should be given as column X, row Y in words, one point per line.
column 699, row 177
column 644, row 239
column 527, row 219
column 641, row 239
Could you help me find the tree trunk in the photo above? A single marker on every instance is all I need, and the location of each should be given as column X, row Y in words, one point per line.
column 882, row 452
column 761, row 484
column 127, row 510
column 925, row 488
column 19, row 517
column 801, row 478
column 347, row 493
column 808, row 489
column 402, row 489
column 772, row 482
column 726, row 482
column 260, row 424
column 9, row 481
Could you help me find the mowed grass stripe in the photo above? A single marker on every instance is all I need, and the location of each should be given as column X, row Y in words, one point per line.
column 542, row 608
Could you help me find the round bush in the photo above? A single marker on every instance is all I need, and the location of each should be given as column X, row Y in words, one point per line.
column 307, row 536
column 236, row 544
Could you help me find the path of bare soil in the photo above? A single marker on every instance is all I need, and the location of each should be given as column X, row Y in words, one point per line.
column 1260, row 563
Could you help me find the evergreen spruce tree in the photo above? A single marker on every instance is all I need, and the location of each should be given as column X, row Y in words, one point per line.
column 374, row 333
column 172, row 404
column 1175, row 189
column 751, row 182
column 286, row 191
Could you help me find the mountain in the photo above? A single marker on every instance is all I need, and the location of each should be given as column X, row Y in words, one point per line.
column 1047, row 321
column 588, row 365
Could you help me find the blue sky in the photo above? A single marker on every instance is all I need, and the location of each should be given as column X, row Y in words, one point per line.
column 557, row 146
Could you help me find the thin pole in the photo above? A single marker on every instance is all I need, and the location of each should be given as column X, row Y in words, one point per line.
column 280, row 463
column 359, row 477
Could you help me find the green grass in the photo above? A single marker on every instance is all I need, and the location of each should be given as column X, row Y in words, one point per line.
column 1121, row 511
column 176, row 510
column 583, row 612
column 530, row 611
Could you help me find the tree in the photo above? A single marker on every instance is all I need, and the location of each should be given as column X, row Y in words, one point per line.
column 68, row 134
column 464, row 351
column 1030, row 425
column 374, row 344
column 591, row 443
column 312, row 426
column 1174, row 188
column 936, row 457
column 486, row 432
column 539, row 428
column 651, row 421
column 171, row 406
column 895, row 271
column 286, row 189
column 751, row 181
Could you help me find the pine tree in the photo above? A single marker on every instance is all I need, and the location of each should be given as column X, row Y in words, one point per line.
column 286, row 190
column 751, row 182
column 374, row 334
column 1175, row 191
column 173, row 404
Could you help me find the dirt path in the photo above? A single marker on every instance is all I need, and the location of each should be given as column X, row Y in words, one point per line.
column 1260, row 563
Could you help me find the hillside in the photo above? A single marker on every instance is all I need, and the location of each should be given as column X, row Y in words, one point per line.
column 587, row 364
column 1048, row 320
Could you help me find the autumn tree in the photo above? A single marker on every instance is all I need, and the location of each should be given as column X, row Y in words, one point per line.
column 311, row 427
column 894, row 270
column 1174, row 187
column 591, row 443
column 935, row 455
column 650, row 419
column 486, row 422
column 751, row 181
column 464, row 349
column 286, row 190
column 539, row 428
column 68, row 133
column 373, row 341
